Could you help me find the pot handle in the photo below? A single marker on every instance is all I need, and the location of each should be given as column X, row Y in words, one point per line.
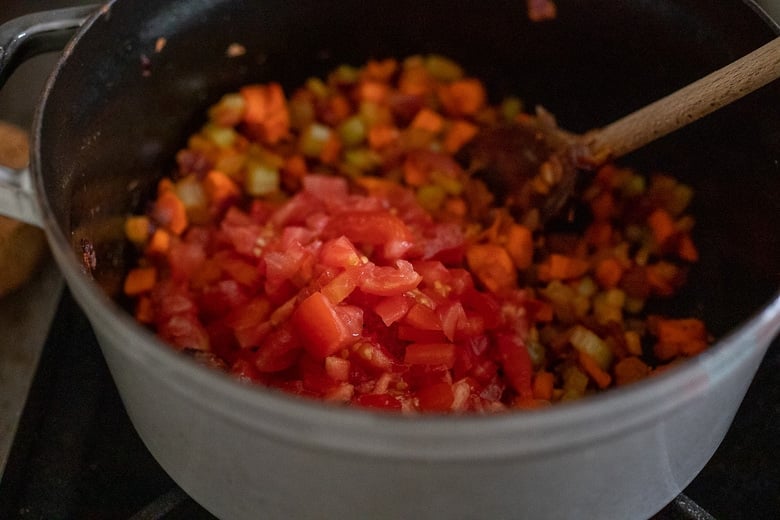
column 21, row 39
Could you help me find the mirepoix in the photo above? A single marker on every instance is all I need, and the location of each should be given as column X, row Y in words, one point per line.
column 326, row 242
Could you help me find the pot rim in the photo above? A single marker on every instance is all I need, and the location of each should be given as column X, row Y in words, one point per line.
column 322, row 426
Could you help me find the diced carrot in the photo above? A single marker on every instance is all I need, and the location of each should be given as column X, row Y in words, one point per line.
column 541, row 10
column 459, row 133
column 463, row 97
column 164, row 185
column 337, row 109
column 219, row 188
column 169, row 211
column 295, row 167
column 662, row 278
column 382, row 135
column 456, row 206
column 544, row 311
column 144, row 310
column 428, row 120
column 630, row 369
column 687, row 250
column 520, row 245
column 606, row 175
column 140, row 280
column 373, row 91
column 492, row 265
column 603, row 206
column 662, row 225
column 331, row 150
column 562, row 267
column 415, row 81
column 137, row 229
column 592, row 368
column 430, row 354
column 608, row 273
column 159, row 243
column 686, row 337
column 414, row 174
column 380, row 70
column 599, row 234
column 543, row 385
column 266, row 114
column 208, row 273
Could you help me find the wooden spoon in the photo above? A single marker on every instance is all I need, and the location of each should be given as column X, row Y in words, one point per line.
column 534, row 165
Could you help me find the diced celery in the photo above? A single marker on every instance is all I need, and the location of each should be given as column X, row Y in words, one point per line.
column 443, row 69
column 261, row 180
column 229, row 111
column 588, row 342
column 373, row 114
column 431, row 197
column 449, row 184
column 222, row 136
column 345, row 75
column 510, row 108
column 190, row 192
column 313, row 140
column 537, row 352
column 317, row 87
column 265, row 156
column 362, row 159
column 681, row 197
column 352, row 131
column 608, row 306
column 587, row 287
column 575, row 382
column 634, row 186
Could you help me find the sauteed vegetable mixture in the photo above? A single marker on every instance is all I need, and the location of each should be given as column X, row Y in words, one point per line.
column 327, row 242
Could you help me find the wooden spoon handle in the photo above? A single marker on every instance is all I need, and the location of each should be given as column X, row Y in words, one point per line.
column 687, row 104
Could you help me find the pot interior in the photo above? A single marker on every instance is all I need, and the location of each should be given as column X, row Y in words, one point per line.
column 118, row 110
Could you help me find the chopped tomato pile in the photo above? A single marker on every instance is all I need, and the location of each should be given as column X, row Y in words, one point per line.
column 328, row 243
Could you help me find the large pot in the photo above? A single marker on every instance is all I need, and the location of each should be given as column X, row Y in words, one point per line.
column 115, row 111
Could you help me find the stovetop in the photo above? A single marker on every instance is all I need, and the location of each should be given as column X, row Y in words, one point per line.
column 76, row 454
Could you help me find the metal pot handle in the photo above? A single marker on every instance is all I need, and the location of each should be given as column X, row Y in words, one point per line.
column 21, row 39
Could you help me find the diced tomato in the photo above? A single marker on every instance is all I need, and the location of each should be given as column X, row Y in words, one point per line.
column 388, row 281
column 337, row 368
column 331, row 190
column 339, row 252
column 516, row 363
column 379, row 401
column 430, row 354
column 375, row 356
column 437, row 397
column 452, row 317
column 239, row 270
column 445, row 242
column 423, row 317
column 184, row 331
column 321, row 329
column 220, row 298
column 373, row 228
column 245, row 371
column 413, row 334
column 280, row 350
column 185, row 259
column 392, row 308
